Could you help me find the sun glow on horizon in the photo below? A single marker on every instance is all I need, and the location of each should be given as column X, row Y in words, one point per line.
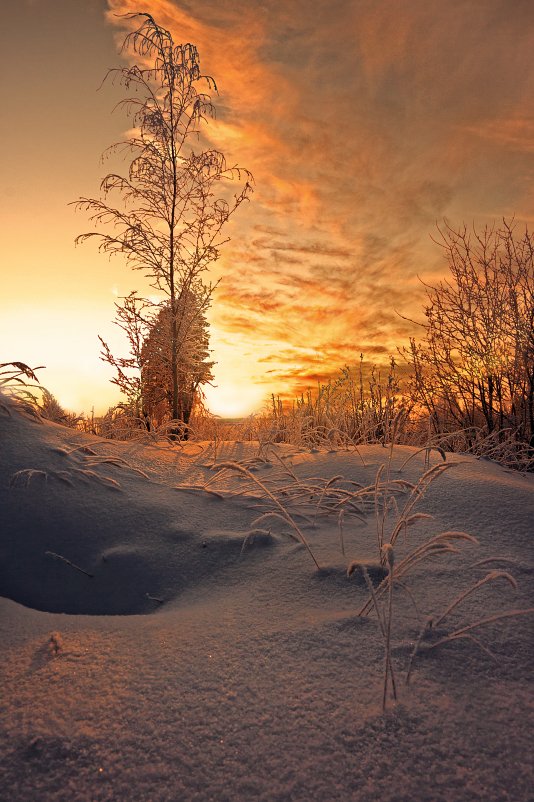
column 230, row 400
column 324, row 262
column 69, row 351
column 233, row 393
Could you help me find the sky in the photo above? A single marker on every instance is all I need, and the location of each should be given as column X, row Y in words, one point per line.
column 364, row 123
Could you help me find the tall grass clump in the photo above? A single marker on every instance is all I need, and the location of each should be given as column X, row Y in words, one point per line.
column 19, row 382
column 358, row 406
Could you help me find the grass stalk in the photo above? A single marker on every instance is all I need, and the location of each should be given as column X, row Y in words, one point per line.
column 234, row 466
column 491, row 577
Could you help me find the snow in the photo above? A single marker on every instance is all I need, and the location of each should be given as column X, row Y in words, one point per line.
column 189, row 666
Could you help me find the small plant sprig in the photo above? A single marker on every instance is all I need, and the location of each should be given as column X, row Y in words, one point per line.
column 284, row 514
column 431, row 624
column 444, row 543
column 11, row 374
column 389, row 558
column 55, row 644
column 384, row 617
column 15, row 379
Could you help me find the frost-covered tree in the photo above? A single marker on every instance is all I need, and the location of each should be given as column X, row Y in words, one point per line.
column 134, row 316
column 474, row 366
column 192, row 359
column 174, row 200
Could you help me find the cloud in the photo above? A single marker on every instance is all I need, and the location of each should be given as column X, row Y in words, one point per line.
column 515, row 134
column 315, row 249
column 364, row 122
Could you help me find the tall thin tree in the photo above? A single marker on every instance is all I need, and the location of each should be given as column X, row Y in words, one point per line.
column 175, row 200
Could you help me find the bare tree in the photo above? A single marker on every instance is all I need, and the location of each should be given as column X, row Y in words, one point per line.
column 175, row 200
column 475, row 365
column 134, row 316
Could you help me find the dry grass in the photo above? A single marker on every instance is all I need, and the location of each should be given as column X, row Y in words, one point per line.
column 432, row 624
column 296, row 503
column 17, row 382
column 384, row 619
column 282, row 512
column 392, row 501
column 27, row 476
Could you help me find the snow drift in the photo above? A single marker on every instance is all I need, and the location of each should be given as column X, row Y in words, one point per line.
column 165, row 642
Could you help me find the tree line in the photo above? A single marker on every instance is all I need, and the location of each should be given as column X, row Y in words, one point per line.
column 473, row 368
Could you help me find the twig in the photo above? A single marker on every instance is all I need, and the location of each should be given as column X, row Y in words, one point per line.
column 68, row 562
column 154, row 598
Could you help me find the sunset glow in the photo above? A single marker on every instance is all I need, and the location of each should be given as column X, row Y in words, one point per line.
column 363, row 124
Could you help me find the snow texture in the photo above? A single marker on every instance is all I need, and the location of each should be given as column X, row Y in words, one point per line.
column 153, row 649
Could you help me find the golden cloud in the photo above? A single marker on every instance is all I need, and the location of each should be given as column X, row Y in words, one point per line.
column 362, row 125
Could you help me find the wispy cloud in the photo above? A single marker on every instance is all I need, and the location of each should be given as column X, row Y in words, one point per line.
column 364, row 123
column 516, row 134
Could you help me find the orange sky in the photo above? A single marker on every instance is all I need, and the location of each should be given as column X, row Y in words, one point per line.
column 363, row 122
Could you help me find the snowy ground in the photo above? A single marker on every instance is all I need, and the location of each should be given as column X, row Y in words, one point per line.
column 178, row 665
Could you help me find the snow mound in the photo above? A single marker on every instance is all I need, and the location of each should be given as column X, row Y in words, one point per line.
column 86, row 533
column 255, row 677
